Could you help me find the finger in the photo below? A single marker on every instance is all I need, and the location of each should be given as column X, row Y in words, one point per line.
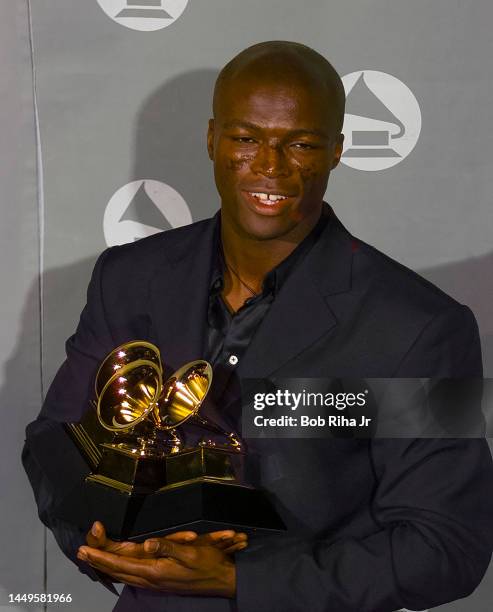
column 162, row 547
column 235, row 548
column 147, row 569
column 96, row 536
column 111, row 563
column 152, row 546
column 215, row 538
column 128, row 549
column 218, row 545
column 180, row 536
column 239, row 537
column 221, row 543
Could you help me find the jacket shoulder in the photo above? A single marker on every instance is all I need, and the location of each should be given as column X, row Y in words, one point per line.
column 423, row 330
column 143, row 256
column 397, row 285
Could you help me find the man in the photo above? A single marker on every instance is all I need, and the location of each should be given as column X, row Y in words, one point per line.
column 274, row 285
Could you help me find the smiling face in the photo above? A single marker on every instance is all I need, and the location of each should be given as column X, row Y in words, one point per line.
column 273, row 141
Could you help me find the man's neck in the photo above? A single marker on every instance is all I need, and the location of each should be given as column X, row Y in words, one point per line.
column 252, row 258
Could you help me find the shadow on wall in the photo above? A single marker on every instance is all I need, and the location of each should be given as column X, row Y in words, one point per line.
column 471, row 282
column 21, row 533
column 170, row 140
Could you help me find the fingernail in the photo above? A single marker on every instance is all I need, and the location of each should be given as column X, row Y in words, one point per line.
column 152, row 546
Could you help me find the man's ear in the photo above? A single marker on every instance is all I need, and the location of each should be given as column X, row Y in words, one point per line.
column 338, row 145
column 210, row 139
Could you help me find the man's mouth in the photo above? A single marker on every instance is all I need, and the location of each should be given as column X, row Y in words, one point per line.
column 268, row 203
column 267, row 198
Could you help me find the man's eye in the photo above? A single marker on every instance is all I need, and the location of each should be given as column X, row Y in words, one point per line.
column 244, row 139
column 302, row 145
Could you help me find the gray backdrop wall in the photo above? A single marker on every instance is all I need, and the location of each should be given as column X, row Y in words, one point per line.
column 104, row 105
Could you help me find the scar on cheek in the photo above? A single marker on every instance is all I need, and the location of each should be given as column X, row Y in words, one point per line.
column 236, row 164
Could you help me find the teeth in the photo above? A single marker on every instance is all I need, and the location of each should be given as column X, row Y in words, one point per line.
column 273, row 197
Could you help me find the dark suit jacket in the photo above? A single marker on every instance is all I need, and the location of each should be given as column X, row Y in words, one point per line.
column 373, row 525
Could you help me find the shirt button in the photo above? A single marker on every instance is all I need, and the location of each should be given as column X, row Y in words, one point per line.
column 233, row 360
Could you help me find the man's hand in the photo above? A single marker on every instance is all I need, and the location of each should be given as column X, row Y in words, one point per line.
column 182, row 562
column 227, row 540
column 96, row 538
column 184, row 569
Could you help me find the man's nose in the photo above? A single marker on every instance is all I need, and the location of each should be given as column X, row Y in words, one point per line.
column 271, row 162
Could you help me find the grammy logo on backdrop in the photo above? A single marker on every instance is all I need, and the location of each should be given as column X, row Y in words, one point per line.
column 143, row 15
column 373, row 141
column 144, row 9
column 382, row 122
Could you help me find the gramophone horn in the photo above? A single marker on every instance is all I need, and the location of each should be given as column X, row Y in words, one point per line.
column 123, row 355
column 130, row 395
column 183, row 394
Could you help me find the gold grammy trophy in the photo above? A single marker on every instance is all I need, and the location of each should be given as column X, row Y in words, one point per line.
column 144, row 481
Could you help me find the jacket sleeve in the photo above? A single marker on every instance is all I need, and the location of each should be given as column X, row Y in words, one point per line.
column 433, row 505
column 53, row 463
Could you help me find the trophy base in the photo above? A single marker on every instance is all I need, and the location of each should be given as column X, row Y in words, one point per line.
column 202, row 505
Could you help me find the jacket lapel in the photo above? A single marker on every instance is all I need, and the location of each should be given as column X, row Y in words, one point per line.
column 179, row 294
column 301, row 314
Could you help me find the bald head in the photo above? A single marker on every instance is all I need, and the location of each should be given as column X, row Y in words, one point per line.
column 284, row 62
